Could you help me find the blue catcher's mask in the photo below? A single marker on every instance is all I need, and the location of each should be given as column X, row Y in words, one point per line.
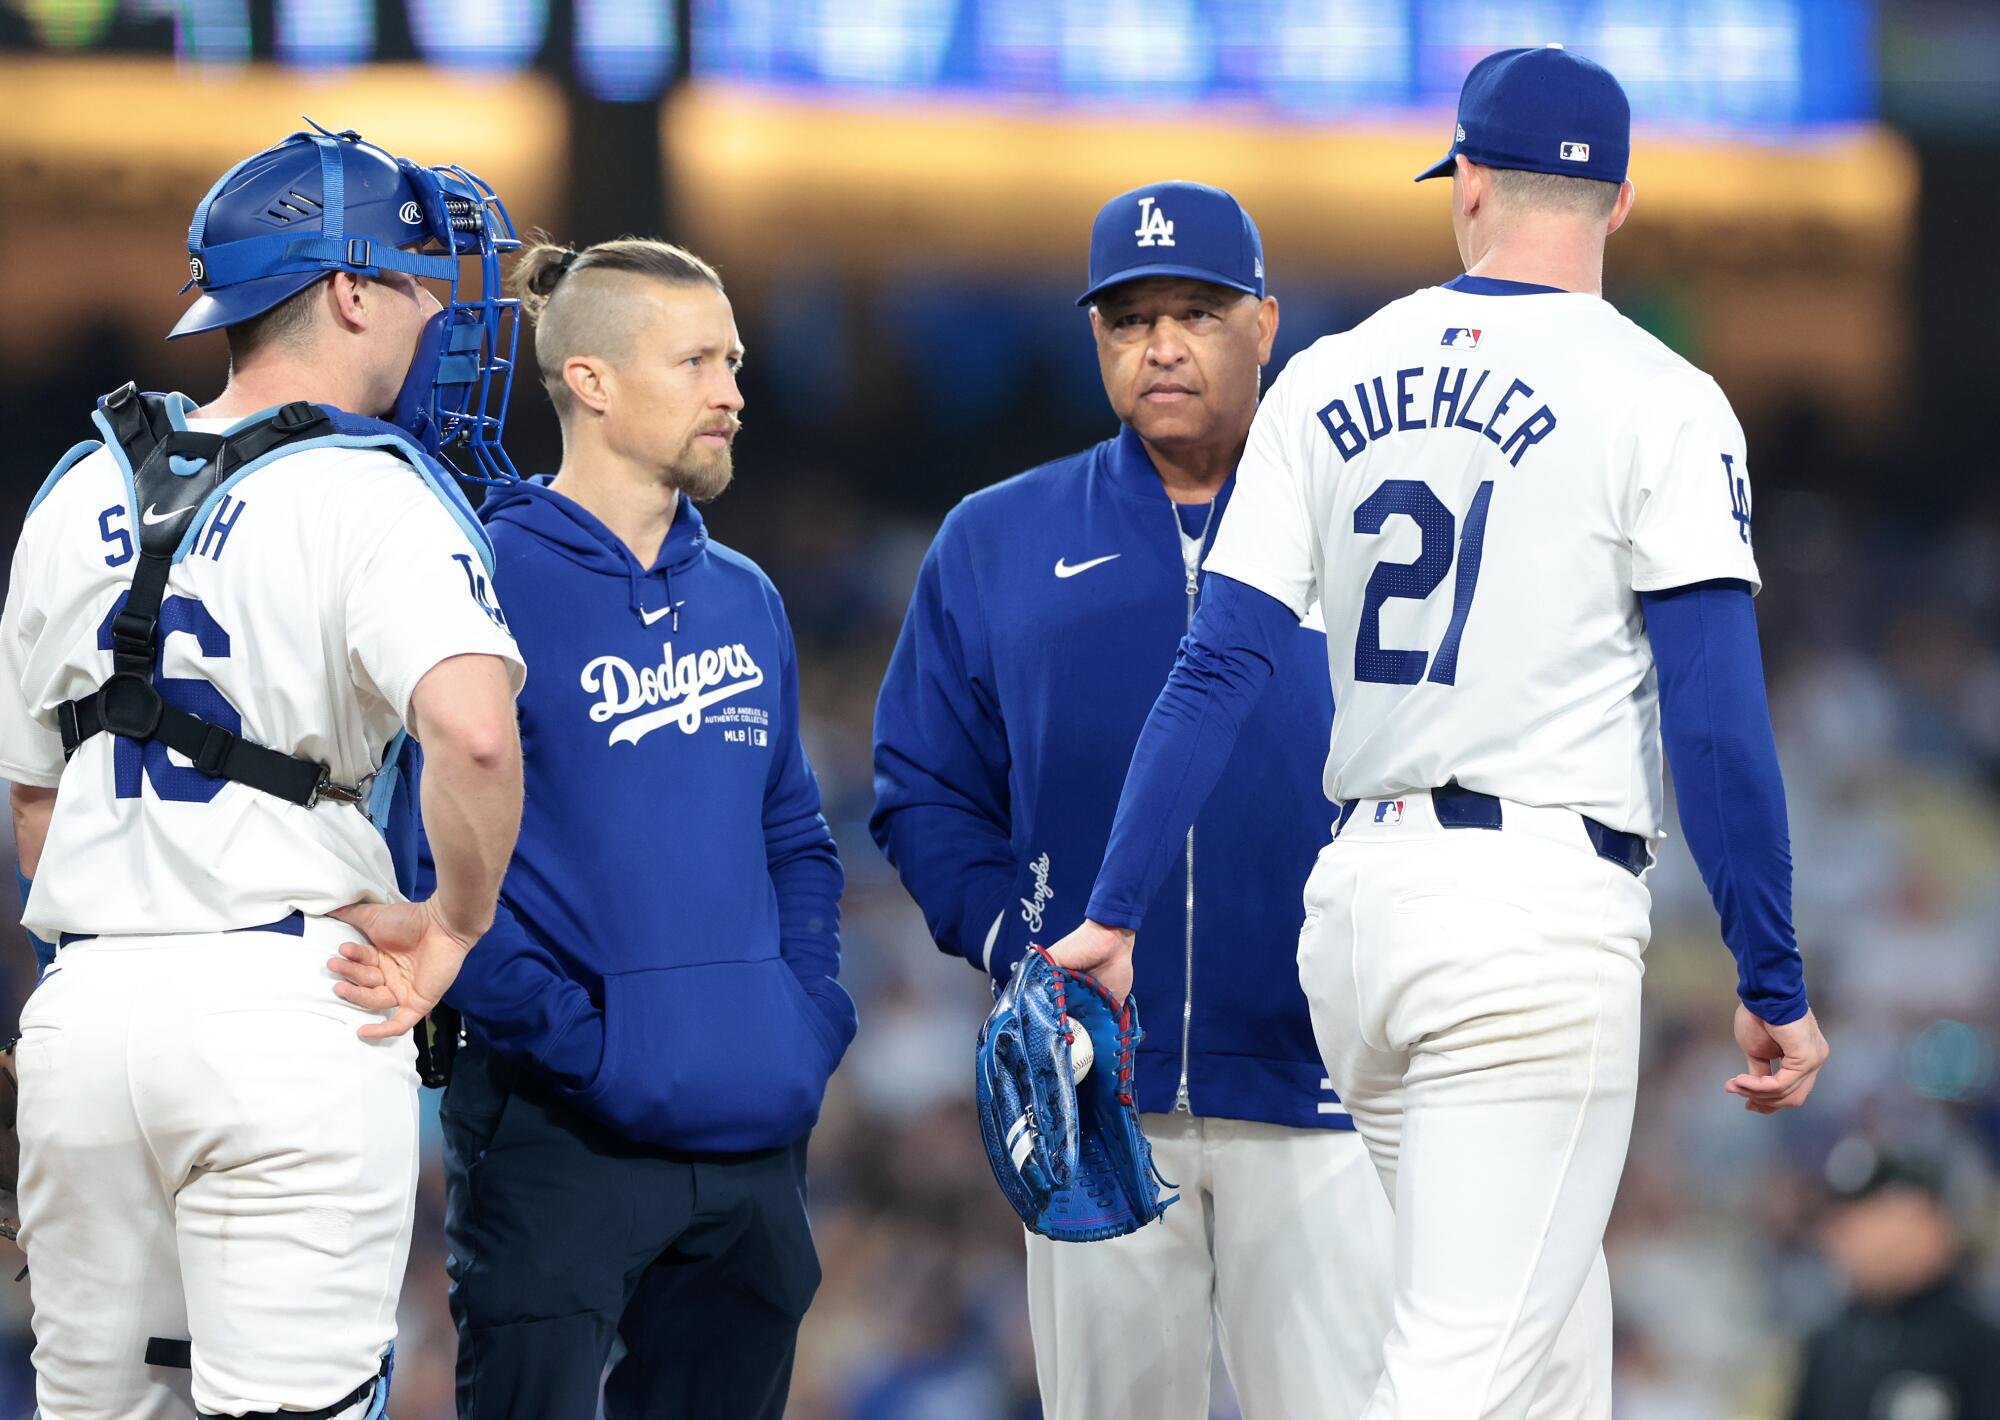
column 321, row 202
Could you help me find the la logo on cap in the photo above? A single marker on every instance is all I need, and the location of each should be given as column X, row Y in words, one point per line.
column 1154, row 229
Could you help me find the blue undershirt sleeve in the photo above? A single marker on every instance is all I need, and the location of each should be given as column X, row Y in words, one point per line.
column 1228, row 657
column 1717, row 726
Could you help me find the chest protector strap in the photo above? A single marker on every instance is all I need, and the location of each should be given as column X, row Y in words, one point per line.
column 173, row 472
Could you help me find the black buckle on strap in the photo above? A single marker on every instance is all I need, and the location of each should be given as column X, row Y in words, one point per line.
column 72, row 730
column 130, row 705
column 216, row 743
column 299, row 414
column 134, row 633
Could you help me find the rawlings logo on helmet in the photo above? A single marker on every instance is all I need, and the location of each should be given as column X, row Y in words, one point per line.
column 410, row 213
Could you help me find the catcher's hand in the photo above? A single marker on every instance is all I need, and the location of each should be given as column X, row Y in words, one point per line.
column 408, row 963
column 1069, row 1156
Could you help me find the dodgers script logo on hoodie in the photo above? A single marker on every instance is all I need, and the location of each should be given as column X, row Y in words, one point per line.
column 682, row 688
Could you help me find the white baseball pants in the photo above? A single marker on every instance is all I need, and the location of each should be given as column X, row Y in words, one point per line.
column 209, row 1152
column 1280, row 1241
column 1476, row 995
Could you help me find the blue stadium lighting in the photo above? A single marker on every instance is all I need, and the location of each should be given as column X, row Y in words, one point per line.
column 325, row 34
column 625, row 49
column 479, row 34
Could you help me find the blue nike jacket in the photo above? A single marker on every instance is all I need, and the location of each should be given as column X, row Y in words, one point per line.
column 668, row 940
column 1045, row 620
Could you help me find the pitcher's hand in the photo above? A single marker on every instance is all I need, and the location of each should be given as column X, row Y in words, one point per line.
column 1783, row 1062
column 1100, row 951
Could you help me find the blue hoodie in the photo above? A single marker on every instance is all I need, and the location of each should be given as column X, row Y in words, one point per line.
column 1044, row 622
column 668, row 939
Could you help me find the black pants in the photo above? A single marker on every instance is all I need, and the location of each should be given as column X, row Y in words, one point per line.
column 566, row 1242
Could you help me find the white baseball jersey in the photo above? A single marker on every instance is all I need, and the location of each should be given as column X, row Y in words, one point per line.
column 1476, row 486
column 315, row 597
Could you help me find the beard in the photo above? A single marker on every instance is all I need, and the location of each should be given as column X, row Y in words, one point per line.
column 701, row 473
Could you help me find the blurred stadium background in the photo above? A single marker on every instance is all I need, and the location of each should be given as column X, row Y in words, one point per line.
column 898, row 194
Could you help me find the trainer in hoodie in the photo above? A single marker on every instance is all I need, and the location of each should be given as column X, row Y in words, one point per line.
column 1044, row 622
column 651, row 1024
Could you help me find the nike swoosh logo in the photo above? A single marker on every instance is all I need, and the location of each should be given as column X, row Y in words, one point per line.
column 1064, row 569
column 153, row 519
column 649, row 617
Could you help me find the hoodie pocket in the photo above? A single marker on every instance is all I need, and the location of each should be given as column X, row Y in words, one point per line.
column 726, row 1056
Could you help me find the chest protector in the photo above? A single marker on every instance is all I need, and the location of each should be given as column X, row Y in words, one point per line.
column 174, row 476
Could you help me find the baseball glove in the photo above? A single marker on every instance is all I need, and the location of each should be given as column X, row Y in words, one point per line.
column 1069, row 1156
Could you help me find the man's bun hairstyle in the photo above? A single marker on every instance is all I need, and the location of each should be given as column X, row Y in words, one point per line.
column 574, row 315
column 543, row 265
column 537, row 272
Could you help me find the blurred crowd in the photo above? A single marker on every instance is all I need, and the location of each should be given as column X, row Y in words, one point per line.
column 1882, row 639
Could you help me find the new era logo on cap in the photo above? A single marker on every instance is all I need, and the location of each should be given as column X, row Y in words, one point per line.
column 1460, row 337
column 1576, row 152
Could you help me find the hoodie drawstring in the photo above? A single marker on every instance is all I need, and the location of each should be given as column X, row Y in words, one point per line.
column 632, row 580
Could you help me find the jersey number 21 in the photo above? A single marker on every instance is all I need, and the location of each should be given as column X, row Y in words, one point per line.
column 1417, row 580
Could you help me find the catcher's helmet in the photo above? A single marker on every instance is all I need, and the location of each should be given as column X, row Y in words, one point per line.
column 321, row 202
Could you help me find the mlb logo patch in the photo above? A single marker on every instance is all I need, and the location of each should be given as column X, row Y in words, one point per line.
column 1576, row 152
column 1389, row 811
column 1461, row 337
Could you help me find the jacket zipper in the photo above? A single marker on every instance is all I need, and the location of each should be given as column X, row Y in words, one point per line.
column 1182, row 1103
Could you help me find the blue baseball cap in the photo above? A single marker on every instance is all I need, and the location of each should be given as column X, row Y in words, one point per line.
column 1542, row 111
column 1184, row 229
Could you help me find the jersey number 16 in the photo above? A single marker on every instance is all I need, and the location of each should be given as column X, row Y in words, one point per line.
column 1417, row 580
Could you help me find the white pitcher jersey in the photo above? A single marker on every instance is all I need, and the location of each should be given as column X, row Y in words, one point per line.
column 1476, row 483
column 314, row 598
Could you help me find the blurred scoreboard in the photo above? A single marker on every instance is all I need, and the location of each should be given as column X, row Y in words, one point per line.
column 1747, row 66
column 1721, row 63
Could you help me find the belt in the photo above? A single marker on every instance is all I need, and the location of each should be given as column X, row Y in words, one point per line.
column 292, row 924
column 1458, row 807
